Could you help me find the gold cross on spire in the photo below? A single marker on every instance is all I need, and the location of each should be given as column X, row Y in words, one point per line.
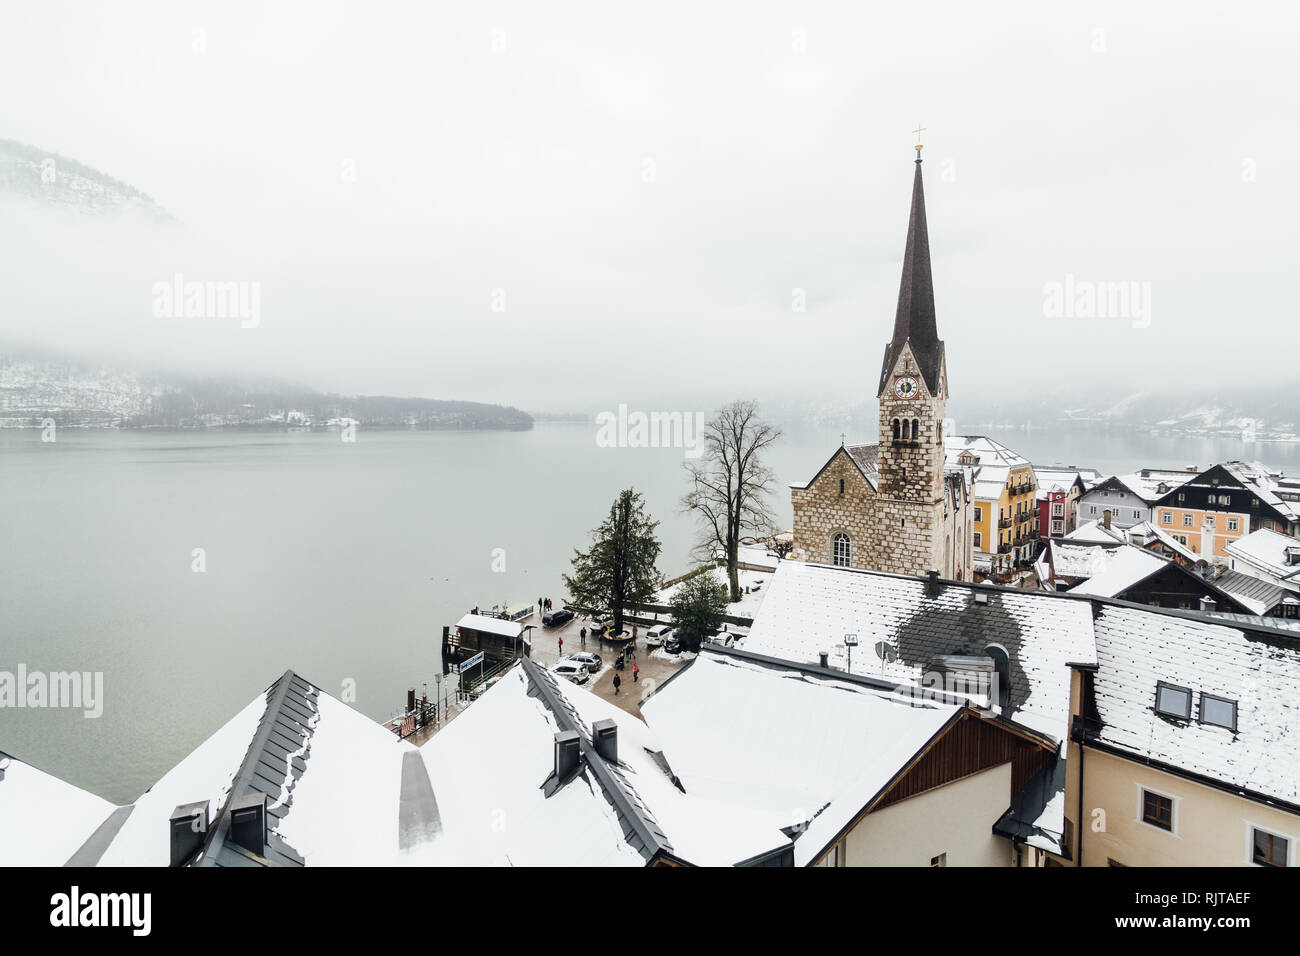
column 918, row 131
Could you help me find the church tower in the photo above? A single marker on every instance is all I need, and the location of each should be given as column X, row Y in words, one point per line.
column 913, row 393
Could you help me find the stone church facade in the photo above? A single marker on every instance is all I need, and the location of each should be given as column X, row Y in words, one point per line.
column 895, row 505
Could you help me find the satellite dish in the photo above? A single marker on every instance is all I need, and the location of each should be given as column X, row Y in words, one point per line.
column 886, row 652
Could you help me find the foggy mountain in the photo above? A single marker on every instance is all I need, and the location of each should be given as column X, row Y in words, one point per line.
column 77, row 395
column 44, row 177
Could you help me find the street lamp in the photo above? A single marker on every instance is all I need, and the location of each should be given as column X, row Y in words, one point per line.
column 850, row 642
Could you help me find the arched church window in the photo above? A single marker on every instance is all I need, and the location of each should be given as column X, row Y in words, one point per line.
column 896, row 432
column 916, row 429
column 840, row 550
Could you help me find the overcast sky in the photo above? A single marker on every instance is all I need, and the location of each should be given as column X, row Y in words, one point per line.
column 648, row 186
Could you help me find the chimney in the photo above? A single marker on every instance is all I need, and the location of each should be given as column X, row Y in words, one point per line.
column 1105, row 519
column 410, row 700
column 189, row 828
column 932, row 583
column 825, row 658
column 567, row 754
column 1208, row 605
column 605, row 733
column 248, row 823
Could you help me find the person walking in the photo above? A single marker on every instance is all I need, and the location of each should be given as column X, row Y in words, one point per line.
column 583, row 635
column 617, row 683
column 636, row 673
column 561, row 647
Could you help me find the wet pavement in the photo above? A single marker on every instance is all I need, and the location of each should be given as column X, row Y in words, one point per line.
column 653, row 670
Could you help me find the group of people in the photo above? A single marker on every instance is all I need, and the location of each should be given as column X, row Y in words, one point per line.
column 543, row 604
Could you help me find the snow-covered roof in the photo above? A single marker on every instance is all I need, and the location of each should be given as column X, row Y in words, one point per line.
column 901, row 629
column 336, row 784
column 797, row 750
column 1141, row 534
column 1072, row 559
column 492, row 625
column 43, row 820
column 1094, row 532
column 1124, row 567
column 1150, row 484
column 1266, row 550
column 994, row 465
column 1057, row 479
column 488, row 766
column 1137, row 648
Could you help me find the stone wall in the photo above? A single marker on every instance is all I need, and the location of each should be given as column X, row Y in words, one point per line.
column 821, row 511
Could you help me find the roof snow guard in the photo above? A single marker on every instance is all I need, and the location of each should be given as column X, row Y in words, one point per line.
column 640, row 828
column 276, row 758
column 914, row 321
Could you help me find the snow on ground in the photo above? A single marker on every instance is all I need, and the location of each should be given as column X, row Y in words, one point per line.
column 749, row 603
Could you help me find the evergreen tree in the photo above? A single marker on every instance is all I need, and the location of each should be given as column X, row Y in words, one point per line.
column 699, row 604
column 618, row 570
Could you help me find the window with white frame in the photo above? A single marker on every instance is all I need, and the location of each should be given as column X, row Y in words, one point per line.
column 1268, row 848
column 840, row 548
column 978, row 541
column 1188, row 521
column 1234, row 524
column 1156, row 809
column 1166, row 517
column 1058, row 510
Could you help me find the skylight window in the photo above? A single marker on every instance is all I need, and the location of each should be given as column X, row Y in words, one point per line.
column 1173, row 701
column 1219, row 711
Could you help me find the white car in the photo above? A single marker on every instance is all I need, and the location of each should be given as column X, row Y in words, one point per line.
column 588, row 660
column 656, row 636
column 572, row 670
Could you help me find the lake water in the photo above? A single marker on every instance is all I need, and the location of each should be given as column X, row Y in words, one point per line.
column 340, row 560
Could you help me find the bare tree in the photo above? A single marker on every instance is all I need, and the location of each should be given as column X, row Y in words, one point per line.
column 730, row 486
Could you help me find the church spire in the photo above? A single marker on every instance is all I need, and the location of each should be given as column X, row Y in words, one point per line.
column 914, row 321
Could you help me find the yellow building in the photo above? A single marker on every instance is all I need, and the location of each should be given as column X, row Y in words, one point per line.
column 1006, row 502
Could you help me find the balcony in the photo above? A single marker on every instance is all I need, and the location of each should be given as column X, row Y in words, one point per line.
column 1004, row 523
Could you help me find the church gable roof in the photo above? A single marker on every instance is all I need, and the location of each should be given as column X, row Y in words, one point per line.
column 863, row 458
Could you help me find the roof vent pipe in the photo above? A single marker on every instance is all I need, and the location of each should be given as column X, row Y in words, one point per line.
column 825, row 658
column 248, row 823
column 605, row 734
column 567, row 754
column 189, row 828
column 932, row 583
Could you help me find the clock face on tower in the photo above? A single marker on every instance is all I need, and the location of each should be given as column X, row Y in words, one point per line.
column 906, row 387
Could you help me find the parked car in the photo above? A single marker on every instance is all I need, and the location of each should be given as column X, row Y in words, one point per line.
column 557, row 617
column 591, row 661
column 673, row 644
column 572, row 670
column 656, row 636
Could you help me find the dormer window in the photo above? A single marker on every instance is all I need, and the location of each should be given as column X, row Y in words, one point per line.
column 1173, row 701
column 1219, row 711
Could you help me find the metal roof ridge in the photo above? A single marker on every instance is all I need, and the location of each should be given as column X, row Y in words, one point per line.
column 614, row 784
column 277, row 694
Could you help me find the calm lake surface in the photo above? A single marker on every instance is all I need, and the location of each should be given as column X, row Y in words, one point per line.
column 340, row 560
